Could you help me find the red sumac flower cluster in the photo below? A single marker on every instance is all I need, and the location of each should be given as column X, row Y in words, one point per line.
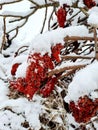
column 61, row 16
column 89, row 3
column 36, row 79
column 84, row 109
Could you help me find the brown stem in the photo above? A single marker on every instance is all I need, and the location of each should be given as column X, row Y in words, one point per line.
column 96, row 44
column 75, row 38
column 75, row 57
column 4, row 33
column 67, row 74
column 57, row 71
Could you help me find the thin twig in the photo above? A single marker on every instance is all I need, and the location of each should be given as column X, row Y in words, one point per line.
column 45, row 17
column 50, row 18
column 17, row 52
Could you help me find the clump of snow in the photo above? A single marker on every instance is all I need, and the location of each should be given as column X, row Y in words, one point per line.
column 19, row 59
column 68, row 2
column 93, row 17
column 84, row 82
column 42, row 43
column 21, row 70
column 3, row 91
column 81, row 4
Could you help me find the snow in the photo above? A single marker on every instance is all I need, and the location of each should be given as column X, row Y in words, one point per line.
column 68, row 2
column 22, row 110
column 84, row 83
column 21, row 71
column 7, row 1
column 93, row 14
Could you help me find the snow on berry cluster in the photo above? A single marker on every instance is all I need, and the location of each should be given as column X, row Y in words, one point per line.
column 36, row 79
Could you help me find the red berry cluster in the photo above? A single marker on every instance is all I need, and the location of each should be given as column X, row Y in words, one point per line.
column 36, row 74
column 84, row 110
column 89, row 3
column 61, row 16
